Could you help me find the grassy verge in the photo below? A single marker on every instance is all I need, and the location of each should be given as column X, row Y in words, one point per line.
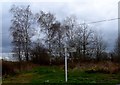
column 54, row 74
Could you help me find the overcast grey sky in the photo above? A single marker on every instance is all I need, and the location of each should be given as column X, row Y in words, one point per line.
column 85, row 10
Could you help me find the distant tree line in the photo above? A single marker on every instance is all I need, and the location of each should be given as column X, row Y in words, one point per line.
column 51, row 36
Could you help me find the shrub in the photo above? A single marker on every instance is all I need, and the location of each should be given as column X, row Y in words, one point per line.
column 58, row 61
column 104, row 67
column 7, row 68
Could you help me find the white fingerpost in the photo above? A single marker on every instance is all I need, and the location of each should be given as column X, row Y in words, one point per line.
column 65, row 64
column 66, row 58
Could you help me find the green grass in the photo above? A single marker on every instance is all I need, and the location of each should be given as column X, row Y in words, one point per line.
column 54, row 74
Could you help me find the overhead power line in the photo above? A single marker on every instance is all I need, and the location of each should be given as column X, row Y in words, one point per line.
column 106, row 20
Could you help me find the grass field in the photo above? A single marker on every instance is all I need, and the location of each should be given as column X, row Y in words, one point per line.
column 54, row 74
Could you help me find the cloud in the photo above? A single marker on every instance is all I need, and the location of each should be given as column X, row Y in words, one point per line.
column 37, row 0
column 85, row 10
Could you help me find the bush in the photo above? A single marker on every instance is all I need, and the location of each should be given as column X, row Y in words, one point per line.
column 58, row 61
column 39, row 54
column 104, row 67
column 7, row 68
column 42, row 60
column 11, row 68
column 97, row 70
